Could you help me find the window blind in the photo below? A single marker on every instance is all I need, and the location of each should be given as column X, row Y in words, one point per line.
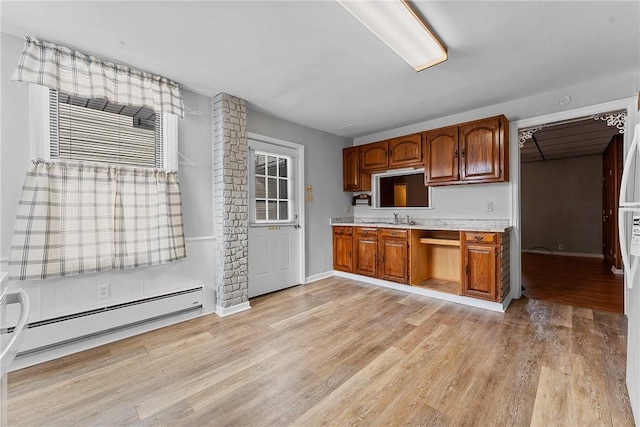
column 87, row 134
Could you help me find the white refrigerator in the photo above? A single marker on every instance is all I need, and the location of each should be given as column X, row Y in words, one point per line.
column 629, row 232
column 9, row 337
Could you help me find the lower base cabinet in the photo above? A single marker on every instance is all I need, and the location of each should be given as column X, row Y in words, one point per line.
column 485, row 264
column 384, row 253
column 365, row 249
column 342, row 249
column 394, row 255
column 479, row 278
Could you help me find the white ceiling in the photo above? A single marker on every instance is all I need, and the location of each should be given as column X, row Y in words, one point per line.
column 312, row 63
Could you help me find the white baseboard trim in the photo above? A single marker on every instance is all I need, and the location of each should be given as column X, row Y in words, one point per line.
column 459, row 299
column 228, row 311
column 617, row 270
column 562, row 253
column 319, row 276
column 86, row 344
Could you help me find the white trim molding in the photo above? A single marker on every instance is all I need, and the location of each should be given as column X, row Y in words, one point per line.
column 459, row 299
column 319, row 276
column 234, row 309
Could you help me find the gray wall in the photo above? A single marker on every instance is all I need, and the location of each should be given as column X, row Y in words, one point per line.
column 562, row 204
column 322, row 170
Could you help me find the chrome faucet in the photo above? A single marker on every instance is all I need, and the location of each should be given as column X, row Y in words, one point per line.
column 395, row 217
column 410, row 221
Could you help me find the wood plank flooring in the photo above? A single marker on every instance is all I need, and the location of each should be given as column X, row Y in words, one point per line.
column 583, row 282
column 339, row 352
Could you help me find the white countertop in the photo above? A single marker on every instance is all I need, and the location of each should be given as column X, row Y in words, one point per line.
column 488, row 225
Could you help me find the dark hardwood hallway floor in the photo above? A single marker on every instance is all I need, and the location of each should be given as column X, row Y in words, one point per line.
column 582, row 282
column 339, row 352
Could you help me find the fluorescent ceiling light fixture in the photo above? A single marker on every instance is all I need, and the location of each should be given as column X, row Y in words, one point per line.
column 396, row 24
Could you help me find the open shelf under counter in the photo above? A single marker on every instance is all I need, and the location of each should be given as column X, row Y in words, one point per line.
column 440, row 242
column 435, row 259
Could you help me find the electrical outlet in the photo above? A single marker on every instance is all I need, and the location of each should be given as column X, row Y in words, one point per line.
column 561, row 247
column 489, row 206
column 347, row 208
column 103, row 292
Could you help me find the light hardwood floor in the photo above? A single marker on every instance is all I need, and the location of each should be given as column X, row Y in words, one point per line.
column 339, row 352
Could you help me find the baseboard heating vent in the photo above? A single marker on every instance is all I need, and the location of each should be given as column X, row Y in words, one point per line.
column 46, row 334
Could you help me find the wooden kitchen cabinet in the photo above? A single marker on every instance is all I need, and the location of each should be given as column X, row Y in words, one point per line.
column 365, row 250
column 343, row 249
column 375, row 156
column 473, row 152
column 394, row 250
column 353, row 179
column 480, row 264
column 405, row 151
column 441, row 156
column 484, row 150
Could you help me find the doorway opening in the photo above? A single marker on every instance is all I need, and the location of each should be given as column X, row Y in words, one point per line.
column 570, row 175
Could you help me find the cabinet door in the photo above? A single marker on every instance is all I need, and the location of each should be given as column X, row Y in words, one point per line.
column 352, row 178
column 375, row 156
column 366, row 255
column 479, row 276
column 441, row 156
column 393, row 259
column 342, row 248
column 480, row 156
column 406, row 151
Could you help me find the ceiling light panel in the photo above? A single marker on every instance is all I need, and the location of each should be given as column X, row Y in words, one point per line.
column 398, row 26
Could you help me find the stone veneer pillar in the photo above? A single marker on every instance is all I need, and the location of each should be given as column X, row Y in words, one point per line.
column 230, row 197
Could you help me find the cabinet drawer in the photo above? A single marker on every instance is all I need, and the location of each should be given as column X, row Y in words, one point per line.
column 366, row 231
column 481, row 237
column 343, row 231
column 394, row 232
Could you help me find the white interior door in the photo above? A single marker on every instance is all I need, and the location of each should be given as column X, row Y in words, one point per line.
column 274, row 230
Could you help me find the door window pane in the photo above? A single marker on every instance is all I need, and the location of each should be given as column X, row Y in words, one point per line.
column 283, row 210
column 283, row 168
column 272, row 188
column 261, row 190
column 272, row 163
column 283, row 189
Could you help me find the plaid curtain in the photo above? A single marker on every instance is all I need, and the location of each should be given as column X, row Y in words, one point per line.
column 84, row 218
column 77, row 74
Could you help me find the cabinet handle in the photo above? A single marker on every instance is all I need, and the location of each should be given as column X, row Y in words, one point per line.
column 478, row 238
column 466, row 270
column 463, row 152
column 455, row 153
column 349, row 254
column 393, row 233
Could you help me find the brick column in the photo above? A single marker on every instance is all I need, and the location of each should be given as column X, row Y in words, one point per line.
column 231, row 215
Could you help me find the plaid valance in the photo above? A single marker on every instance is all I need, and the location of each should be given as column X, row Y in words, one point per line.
column 85, row 218
column 78, row 74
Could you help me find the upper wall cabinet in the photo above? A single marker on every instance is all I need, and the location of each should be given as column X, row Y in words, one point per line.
column 406, row 151
column 375, row 156
column 474, row 152
column 353, row 179
column 441, row 156
column 398, row 152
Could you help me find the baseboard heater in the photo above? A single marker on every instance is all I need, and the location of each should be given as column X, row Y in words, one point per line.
column 47, row 334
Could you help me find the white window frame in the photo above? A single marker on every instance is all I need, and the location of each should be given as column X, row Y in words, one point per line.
column 290, row 196
column 40, row 130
